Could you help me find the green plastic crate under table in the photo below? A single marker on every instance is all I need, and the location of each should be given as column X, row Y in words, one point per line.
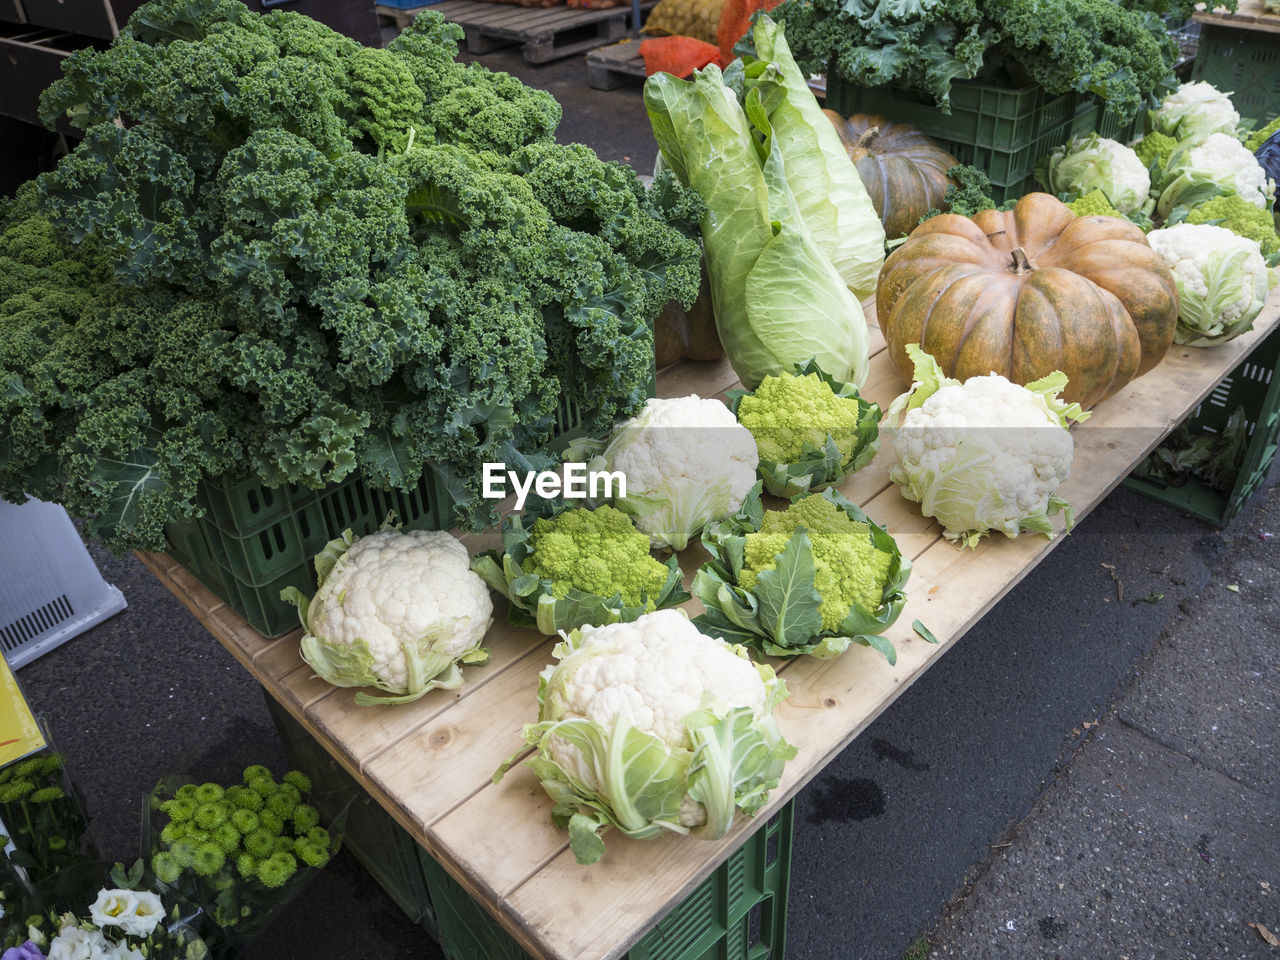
column 254, row 540
column 1240, row 53
column 1001, row 131
column 738, row 913
column 1254, row 385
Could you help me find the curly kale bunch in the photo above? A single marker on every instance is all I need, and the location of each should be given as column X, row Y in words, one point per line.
column 1119, row 51
column 298, row 257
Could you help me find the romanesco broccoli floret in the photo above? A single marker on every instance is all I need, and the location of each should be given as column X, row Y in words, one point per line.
column 786, row 412
column 1259, row 137
column 1240, row 217
column 1155, row 146
column 599, row 552
column 848, row 568
column 1094, row 204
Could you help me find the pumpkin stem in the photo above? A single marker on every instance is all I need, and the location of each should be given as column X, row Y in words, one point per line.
column 866, row 137
column 1021, row 262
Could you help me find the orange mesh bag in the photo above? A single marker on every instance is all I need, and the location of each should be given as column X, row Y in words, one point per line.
column 676, row 55
column 735, row 21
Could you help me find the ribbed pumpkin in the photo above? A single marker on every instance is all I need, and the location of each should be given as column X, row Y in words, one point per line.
column 1028, row 291
column 904, row 171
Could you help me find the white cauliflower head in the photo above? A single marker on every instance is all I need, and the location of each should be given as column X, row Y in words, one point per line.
column 1222, row 280
column 687, row 461
column 656, row 670
column 1097, row 163
column 397, row 611
column 653, row 726
column 1219, row 160
column 1194, row 111
column 984, row 455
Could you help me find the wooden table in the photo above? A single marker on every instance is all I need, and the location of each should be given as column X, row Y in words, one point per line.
column 429, row 763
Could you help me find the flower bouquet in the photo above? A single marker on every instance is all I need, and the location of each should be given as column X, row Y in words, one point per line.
column 238, row 853
column 91, row 911
column 43, row 828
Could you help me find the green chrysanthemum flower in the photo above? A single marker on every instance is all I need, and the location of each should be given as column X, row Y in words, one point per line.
column 246, row 866
column 184, row 854
column 179, row 809
column 283, row 801
column 264, row 787
column 46, row 794
column 260, row 843
column 29, row 768
column 211, row 815
column 271, row 820
column 208, row 793
column 319, row 835
column 186, row 792
column 57, row 843
column 312, row 854
column 299, row 780
column 227, row 838
column 255, row 773
column 208, row 859
column 305, row 817
column 166, row 867
column 248, row 799
column 276, row 870
column 284, row 845
column 172, row 832
column 246, row 821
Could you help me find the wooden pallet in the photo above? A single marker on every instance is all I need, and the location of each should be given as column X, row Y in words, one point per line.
column 620, row 63
column 615, row 65
column 548, row 33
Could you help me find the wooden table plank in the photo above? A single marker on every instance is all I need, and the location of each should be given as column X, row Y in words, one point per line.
column 430, row 763
column 1249, row 15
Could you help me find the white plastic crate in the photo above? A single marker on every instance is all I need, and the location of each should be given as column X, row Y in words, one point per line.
column 50, row 589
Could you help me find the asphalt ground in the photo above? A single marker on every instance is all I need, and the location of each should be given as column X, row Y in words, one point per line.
column 1083, row 775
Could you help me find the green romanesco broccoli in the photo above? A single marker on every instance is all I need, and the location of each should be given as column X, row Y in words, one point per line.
column 1259, row 137
column 1240, row 217
column 1155, row 146
column 1094, row 204
column 599, row 552
column 787, row 412
column 848, row 568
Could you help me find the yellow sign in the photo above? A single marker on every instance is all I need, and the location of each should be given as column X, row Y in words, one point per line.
column 19, row 732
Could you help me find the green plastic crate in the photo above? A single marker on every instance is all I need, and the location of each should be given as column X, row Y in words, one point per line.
column 1002, row 132
column 737, row 913
column 1254, row 385
column 1244, row 62
column 254, row 541
column 371, row 834
column 247, row 564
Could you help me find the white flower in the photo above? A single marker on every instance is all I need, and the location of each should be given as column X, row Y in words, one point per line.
column 76, row 943
column 111, row 906
column 148, row 910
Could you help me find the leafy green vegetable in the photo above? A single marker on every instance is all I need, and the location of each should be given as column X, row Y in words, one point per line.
column 813, row 578
column 829, row 193
column 811, row 430
column 777, row 296
column 1240, row 217
column 1094, row 204
column 1213, row 458
column 296, row 258
column 1120, row 52
column 654, row 728
column 923, row 632
column 572, row 566
column 970, row 193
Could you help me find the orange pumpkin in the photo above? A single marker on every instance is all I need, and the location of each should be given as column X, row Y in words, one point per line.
column 904, row 171
column 1028, row 291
